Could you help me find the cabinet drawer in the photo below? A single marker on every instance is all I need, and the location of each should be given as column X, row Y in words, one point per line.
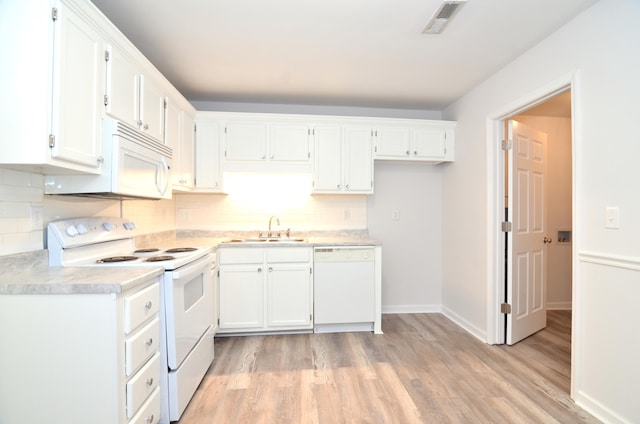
column 249, row 255
column 288, row 254
column 150, row 411
column 141, row 346
column 142, row 385
column 141, row 306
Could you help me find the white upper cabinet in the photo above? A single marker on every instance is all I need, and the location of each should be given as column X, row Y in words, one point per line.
column 245, row 141
column 133, row 96
column 289, row 142
column 266, row 141
column 187, row 144
column 208, row 177
column 77, row 91
column 426, row 142
column 123, row 90
column 151, row 109
column 342, row 161
column 52, row 89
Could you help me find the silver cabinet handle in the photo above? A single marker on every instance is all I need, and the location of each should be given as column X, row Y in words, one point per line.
column 149, row 342
column 348, row 186
column 148, row 305
column 146, row 126
column 339, row 186
column 259, row 269
column 408, row 152
column 149, row 381
column 415, row 152
column 150, row 418
column 270, row 269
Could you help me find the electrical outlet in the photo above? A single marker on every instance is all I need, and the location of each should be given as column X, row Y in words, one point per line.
column 35, row 218
column 395, row 215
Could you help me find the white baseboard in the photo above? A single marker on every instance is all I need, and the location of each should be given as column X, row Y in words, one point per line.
column 466, row 325
column 598, row 410
column 559, row 306
column 411, row 309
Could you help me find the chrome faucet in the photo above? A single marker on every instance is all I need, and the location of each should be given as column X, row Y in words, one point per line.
column 270, row 234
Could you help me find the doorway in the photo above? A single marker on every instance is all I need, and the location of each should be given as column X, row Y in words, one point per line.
column 523, row 277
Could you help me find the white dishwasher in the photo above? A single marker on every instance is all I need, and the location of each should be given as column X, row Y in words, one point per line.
column 344, row 288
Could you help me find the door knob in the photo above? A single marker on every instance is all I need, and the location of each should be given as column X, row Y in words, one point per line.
column 547, row 240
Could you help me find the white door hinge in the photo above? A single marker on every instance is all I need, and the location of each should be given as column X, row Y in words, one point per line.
column 506, row 226
column 52, row 140
column 107, row 55
column 506, row 144
column 106, row 100
column 505, row 308
column 54, row 13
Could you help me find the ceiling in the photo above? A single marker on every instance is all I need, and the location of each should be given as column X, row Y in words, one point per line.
column 359, row 53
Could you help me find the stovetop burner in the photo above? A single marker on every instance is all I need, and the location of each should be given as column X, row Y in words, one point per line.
column 147, row 250
column 181, row 249
column 159, row 258
column 112, row 259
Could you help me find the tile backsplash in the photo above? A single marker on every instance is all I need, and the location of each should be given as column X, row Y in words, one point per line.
column 229, row 212
column 21, row 211
column 25, row 211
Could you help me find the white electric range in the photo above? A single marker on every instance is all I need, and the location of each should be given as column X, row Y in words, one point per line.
column 187, row 295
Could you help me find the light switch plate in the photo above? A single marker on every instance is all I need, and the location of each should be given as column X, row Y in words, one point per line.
column 612, row 217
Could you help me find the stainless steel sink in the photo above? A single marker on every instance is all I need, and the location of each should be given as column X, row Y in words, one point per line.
column 267, row 240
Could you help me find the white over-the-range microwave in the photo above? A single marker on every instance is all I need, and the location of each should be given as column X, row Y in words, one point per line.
column 135, row 166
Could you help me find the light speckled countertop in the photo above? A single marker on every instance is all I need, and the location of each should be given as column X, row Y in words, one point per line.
column 29, row 273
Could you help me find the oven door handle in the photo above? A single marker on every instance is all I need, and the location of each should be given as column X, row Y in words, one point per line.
column 189, row 271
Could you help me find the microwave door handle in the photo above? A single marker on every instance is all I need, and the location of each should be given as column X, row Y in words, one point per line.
column 162, row 177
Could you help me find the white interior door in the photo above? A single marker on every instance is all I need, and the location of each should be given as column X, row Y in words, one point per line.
column 526, row 253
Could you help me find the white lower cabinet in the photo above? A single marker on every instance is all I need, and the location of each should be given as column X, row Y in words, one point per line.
column 265, row 289
column 81, row 358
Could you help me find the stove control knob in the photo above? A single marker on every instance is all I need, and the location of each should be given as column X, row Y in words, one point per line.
column 108, row 226
column 82, row 229
column 72, row 231
column 129, row 225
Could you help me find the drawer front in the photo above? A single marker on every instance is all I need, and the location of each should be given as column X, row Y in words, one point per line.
column 141, row 306
column 141, row 346
column 289, row 254
column 235, row 255
column 142, row 385
column 149, row 413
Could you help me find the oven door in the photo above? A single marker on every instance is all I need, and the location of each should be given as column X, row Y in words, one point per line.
column 189, row 304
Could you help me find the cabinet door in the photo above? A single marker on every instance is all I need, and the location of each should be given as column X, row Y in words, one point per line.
column 78, row 90
column 429, row 143
column 289, row 296
column 245, row 141
column 394, row 142
column 123, row 89
column 358, row 160
column 187, row 142
column 207, row 156
column 173, row 139
column 289, row 143
column 241, row 297
column 327, row 160
column 152, row 108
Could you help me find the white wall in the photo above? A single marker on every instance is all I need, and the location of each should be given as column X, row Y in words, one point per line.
column 599, row 49
column 411, row 245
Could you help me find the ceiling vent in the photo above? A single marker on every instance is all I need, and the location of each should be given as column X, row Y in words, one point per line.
column 443, row 15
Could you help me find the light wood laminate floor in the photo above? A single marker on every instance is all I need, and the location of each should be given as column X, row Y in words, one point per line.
column 424, row 369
